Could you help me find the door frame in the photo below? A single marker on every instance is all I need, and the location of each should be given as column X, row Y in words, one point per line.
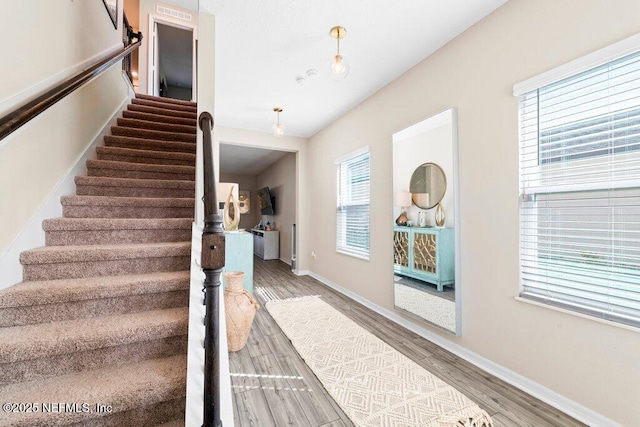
column 153, row 82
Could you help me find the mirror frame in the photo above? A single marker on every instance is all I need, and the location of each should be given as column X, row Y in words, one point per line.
column 455, row 188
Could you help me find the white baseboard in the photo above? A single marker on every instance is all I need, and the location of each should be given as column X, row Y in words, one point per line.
column 302, row 273
column 32, row 236
column 286, row 261
column 558, row 401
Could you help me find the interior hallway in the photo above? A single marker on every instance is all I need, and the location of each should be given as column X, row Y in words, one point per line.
column 273, row 386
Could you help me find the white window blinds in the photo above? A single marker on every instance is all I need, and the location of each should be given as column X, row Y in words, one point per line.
column 352, row 225
column 580, row 192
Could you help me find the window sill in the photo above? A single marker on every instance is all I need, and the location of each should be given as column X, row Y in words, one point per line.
column 362, row 257
column 575, row 313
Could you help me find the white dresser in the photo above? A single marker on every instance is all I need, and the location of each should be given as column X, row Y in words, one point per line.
column 266, row 244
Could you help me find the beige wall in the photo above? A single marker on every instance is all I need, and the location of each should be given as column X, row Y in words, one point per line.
column 65, row 36
column 281, row 180
column 247, row 183
column 592, row 363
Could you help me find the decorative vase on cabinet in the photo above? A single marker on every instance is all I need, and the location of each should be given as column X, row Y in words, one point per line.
column 425, row 254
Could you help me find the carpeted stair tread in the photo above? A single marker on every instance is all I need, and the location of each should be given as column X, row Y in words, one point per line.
column 70, row 336
column 161, row 111
column 96, row 231
column 174, row 423
column 159, row 202
column 133, row 187
column 91, row 253
column 27, row 294
column 167, row 100
column 163, row 104
column 145, row 156
column 126, row 207
column 74, row 224
column 124, row 387
column 157, row 126
column 153, row 118
column 114, row 168
column 148, row 144
column 153, row 134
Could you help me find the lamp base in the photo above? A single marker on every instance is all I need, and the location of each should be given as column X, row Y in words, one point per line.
column 402, row 219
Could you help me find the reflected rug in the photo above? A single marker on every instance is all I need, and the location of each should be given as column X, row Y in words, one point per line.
column 436, row 310
column 375, row 385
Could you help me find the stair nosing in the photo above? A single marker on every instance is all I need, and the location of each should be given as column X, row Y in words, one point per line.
column 88, row 333
column 90, row 288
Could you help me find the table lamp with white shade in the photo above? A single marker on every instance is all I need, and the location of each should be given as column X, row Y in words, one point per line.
column 403, row 200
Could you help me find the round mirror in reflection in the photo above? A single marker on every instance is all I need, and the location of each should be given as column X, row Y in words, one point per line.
column 428, row 185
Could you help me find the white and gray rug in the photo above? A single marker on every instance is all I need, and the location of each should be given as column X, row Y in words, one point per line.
column 432, row 308
column 375, row 385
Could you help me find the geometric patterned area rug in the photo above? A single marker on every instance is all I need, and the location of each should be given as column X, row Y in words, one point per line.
column 375, row 385
column 432, row 308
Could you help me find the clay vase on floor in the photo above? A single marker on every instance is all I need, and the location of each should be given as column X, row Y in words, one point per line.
column 240, row 309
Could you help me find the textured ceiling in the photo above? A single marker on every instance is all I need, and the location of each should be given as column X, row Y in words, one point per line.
column 261, row 46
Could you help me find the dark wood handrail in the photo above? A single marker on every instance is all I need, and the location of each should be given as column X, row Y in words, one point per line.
column 212, row 262
column 24, row 113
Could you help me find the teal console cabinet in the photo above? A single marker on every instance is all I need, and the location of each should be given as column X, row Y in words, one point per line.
column 426, row 254
column 238, row 256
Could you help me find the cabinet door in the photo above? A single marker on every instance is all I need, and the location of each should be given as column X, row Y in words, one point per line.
column 401, row 251
column 425, row 253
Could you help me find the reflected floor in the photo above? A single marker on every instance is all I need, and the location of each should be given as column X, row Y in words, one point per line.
column 448, row 292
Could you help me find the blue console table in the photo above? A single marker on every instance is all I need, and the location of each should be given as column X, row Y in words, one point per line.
column 426, row 254
column 238, row 256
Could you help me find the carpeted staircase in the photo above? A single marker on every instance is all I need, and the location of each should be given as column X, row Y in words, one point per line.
column 101, row 316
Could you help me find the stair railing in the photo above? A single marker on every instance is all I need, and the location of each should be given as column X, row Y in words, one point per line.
column 21, row 115
column 128, row 35
column 212, row 262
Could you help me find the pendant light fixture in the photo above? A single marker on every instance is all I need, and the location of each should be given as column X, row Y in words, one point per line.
column 339, row 69
column 278, row 129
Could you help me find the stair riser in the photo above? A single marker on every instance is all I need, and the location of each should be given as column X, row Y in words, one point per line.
column 46, row 367
column 145, row 159
column 150, row 416
column 169, row 101
column 159, row 119
column 115, row 237
column 91, row 190
column 20, row 316
column 167, row 105
column 161, row 111
column 164, row 146
column 70, row 270
column 156, row 126
column 120, row 173
column 125, row 212
column 151, row 134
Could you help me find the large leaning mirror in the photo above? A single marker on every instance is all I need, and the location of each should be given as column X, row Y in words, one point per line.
column 426, row 262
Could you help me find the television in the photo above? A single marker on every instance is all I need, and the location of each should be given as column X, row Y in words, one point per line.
column 267, row 201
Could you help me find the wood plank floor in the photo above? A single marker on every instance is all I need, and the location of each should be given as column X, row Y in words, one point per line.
column 272, row 385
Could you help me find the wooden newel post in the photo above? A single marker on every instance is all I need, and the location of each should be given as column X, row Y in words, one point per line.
column 212, row 263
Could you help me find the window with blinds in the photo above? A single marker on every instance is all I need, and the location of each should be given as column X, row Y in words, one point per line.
column 580, row 191
column 352, row 225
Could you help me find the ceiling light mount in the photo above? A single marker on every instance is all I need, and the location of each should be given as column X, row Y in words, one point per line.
column 339, row 69
column 278, row 129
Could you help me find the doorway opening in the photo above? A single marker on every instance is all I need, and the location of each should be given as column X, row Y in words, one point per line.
column 172, row 58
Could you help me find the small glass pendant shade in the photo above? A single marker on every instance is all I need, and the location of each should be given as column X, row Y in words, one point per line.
column 278, row 130
column 339, row 68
